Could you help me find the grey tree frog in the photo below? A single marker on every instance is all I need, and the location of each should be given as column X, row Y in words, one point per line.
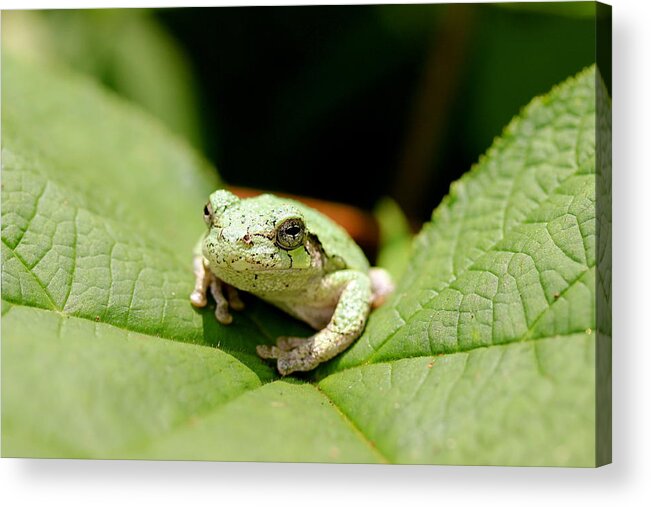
column 296, row 259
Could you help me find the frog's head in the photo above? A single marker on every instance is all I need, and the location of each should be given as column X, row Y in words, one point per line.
column 259, row 236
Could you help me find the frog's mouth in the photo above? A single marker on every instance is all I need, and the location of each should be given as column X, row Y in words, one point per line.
column 275, row 261
column 257, row 265
column 287, row 268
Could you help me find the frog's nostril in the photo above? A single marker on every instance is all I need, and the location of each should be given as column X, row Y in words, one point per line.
column 247, row 240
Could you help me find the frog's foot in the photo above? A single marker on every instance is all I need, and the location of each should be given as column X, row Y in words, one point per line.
column 289, row 342
column 381, row 285
column 270, row 351
column 297, row 354
column 283, row 344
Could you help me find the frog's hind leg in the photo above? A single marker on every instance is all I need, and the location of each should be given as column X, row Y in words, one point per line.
column 382, row 285
column 346, row 324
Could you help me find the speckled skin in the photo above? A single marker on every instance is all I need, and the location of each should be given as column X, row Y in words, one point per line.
column 325, row 280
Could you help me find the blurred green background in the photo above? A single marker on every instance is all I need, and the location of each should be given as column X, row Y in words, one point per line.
column 345, row 103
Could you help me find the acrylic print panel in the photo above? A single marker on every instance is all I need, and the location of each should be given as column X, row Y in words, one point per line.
column 466, row 148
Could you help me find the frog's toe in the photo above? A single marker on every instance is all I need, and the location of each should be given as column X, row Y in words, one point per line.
column 198, row 298
column 221, row 303
column 268, row 351
column 222, row 314
column 289, row 342
column 233, row 297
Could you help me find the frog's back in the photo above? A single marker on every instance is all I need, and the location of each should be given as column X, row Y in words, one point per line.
column 334, row 239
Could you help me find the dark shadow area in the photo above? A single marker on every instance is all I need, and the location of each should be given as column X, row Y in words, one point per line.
column 350, row 103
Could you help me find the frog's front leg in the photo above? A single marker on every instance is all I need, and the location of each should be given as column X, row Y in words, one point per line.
column 345, row 326
column 202, row 278
column 205, row 279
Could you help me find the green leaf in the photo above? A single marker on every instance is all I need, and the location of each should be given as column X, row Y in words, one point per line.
column 485, row 355
column 488, row 346
column 395, row 237
column 510, row 253
column 128, row 386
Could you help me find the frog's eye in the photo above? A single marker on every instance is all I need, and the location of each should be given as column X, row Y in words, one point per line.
column 290, row 233
column 207, row 213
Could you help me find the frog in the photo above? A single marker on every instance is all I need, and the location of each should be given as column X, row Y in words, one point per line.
column 295, row 258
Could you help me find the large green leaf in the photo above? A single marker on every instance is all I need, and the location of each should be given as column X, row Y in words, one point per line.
column 485, row 355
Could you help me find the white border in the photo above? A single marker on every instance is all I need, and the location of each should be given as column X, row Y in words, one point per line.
column 626, row 482
column 68, row 4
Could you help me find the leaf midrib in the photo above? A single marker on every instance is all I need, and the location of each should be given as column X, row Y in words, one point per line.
column 348, row 420
column 346, row 417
